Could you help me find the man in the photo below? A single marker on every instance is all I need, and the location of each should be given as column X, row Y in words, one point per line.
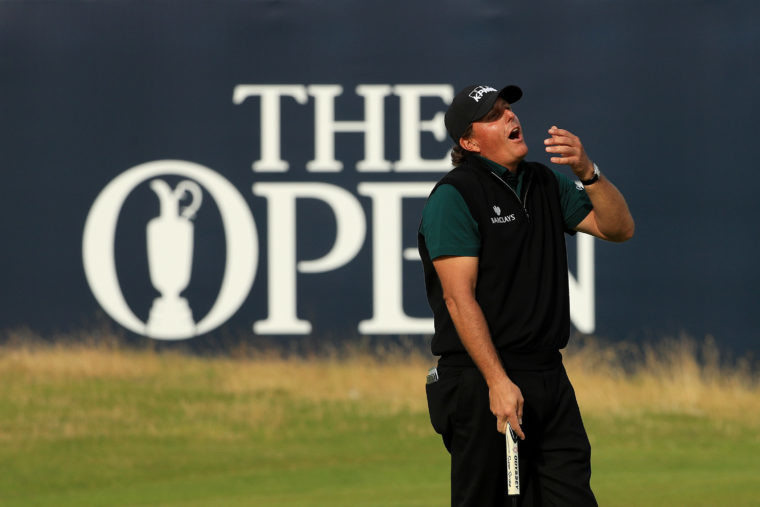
column 493, row 249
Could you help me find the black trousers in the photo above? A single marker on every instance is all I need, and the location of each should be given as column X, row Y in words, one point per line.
column 555, row 457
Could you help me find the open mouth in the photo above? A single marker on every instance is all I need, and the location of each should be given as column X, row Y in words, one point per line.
column 515, row 134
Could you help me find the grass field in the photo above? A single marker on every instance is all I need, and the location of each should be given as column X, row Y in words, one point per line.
column 108, row 425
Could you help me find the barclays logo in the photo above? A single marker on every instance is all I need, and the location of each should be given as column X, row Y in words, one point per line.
column 169, row 239
column 498, row 219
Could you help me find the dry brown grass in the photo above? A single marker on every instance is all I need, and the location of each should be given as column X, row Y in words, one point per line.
column 668, row 378
column 71, row 389
column 673, row 377
column 397, row 383
column 398, row 380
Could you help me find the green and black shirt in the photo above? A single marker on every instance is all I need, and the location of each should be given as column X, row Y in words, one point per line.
column 449, row 228
column 515, row 224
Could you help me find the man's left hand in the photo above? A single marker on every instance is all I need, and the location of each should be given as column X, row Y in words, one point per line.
column 569, row 150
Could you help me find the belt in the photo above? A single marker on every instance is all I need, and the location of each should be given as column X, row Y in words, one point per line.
column 512, row 360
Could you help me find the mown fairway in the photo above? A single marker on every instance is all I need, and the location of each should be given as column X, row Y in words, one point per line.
column 108, row 426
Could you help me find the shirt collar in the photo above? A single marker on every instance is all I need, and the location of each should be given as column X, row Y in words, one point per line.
column 502, row 171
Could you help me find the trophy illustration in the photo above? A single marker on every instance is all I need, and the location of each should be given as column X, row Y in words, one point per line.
column 170, row 259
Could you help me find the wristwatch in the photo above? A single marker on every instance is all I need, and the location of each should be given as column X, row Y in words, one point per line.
column 593, row 179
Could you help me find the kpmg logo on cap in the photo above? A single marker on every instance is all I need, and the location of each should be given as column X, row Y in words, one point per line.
column 478, row 92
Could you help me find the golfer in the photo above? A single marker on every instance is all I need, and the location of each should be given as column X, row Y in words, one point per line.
column 492, row 241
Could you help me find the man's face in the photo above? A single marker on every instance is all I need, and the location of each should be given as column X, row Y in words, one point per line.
column 498, row 136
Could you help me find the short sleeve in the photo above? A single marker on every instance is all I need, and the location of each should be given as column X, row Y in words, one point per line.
column 574, row 201
column 448, row 226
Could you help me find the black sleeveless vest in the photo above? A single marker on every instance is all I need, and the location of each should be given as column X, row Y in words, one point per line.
column 522, row 284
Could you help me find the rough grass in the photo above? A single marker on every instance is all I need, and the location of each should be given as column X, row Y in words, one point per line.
column 675, row 376
column 104, row 424
column 672, row 377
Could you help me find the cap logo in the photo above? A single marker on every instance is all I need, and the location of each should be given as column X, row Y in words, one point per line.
column 477, row 93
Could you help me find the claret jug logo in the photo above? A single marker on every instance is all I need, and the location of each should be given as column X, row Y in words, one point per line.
column 170, row 258
column 169, row 239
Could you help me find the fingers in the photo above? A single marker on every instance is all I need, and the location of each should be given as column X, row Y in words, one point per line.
column 520, row 404
column 561, row 136
column 567, row 147
column 563, row 149
column 565, row 154
column 517, row 419
column 507, row 405
column 515, row 423
column 561, row 140
column 564, row 160
column 555, row 131
column 513, row 420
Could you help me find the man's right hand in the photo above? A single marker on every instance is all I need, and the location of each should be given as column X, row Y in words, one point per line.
column 507, row 405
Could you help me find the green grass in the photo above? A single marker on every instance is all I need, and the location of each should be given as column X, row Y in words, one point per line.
column 332, row 454
column 674, row 460
column 89, row 427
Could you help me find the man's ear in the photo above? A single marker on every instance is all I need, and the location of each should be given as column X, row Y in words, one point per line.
column 469, row 144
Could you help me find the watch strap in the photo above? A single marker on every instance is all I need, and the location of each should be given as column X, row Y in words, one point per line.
column 593, row 179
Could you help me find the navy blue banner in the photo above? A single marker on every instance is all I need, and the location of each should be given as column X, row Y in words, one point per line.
column 193, row 169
